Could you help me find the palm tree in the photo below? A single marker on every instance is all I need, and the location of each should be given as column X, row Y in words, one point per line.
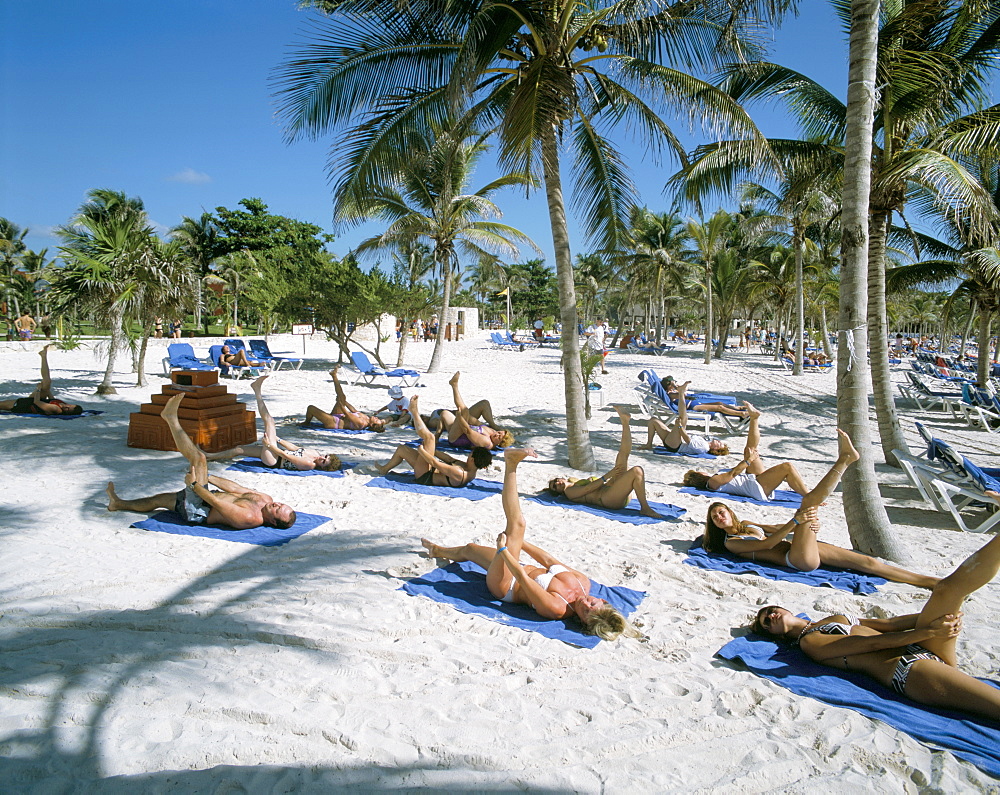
column 11, row 249
column 427, row 200
column 113, row 261
column 199, row 241
column 539, row 77
column 709, row 239
column 660, row 258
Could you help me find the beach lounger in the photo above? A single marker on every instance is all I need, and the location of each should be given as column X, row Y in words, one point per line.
column 237, row 345
column 180, row 356
column 970, row 492
column 655, row 402
column 528, row 343
column 369, row 372
column 504, row 344
column 261, row 350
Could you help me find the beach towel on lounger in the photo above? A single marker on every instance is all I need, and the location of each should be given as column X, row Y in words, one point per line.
column 474, row 490
column 463, row 586
column 629, row 514
column 782, row 497
column 660, row 450
column 968, row 739
column 170, row 522
column 850, row 581
column 255, row 465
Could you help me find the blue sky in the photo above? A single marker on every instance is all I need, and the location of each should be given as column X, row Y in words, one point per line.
column 171, row 102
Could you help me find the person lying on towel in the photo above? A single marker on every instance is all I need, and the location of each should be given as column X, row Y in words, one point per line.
column 553, row 590
column 675, row 436
column 432, row 469
column 232, row 506
column 458, row 427
column 613, row 490
column 913, row 654
column 41, row 401
column 749, row 478
column 724, row 532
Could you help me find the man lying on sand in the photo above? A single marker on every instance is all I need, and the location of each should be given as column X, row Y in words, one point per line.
column 458, row 424
column 431, row 470
column 41, row 401
column 234, row 506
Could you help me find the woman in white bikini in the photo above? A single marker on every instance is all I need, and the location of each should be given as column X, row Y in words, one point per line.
column 749, row 478
column 675, row 436
column 724, row 532
column 912, row 654
column 275, row 452
column 552, row 589
column 614, row 489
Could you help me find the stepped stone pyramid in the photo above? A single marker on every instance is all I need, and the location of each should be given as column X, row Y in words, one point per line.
column 214, row 419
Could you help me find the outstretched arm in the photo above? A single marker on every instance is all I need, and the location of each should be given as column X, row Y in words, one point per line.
column 800, row 517
column 228, row 485
column 722, row 478
column 821, row 647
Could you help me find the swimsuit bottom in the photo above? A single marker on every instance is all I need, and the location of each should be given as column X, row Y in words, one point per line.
column 914, row 652
column 192, row 507
column 426, row 479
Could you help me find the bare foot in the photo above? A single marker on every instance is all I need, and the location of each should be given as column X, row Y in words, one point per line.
column 624, row 415
column 113, row 501
column 845, row 448
column 644, row 447
column 752, row 410
column 44, row 351
column 433, row 550
column 652, row 513
column 256, row 385
column 334, row 371
column 173, row 405
column 683, row 387
column 454, row 379
column 512, row 456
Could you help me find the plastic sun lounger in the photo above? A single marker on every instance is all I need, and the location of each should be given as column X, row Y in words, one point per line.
column 180, row 356
column 261, row 350
column 233, row 370
column 369, row 372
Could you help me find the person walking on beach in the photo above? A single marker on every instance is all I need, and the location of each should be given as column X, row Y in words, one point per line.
column 614, row 489
column 431, row 468
column 41, row 401
column 26, row 326
column 595, row 341
column 913, row 654
column 553, row 590
column 232, row 506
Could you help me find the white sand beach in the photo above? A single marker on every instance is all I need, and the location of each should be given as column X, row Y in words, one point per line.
column 142, row 661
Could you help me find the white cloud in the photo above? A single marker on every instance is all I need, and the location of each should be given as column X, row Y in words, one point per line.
column 190, row 177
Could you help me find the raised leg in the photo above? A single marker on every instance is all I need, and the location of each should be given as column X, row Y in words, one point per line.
column 498, row 576
column 482, row 410
column 773, row 477
column 187, row 448
column 270, row 439
column 45, row 384
column 657, row 428
column 402, row 454
column 949, row 594
column 846, row 455
column 617, row 493
column 325, row 419
column 753, row 432
column 625, row 446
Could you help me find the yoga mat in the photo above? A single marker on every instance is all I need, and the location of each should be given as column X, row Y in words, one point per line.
column 170, row 522
column 629, row 514
column 850, row 581
column 86, row 413
column 475, row 490
column 254, row 465
column 664, row 451
column 780, row 497
column 463, row 586
column 968, row 738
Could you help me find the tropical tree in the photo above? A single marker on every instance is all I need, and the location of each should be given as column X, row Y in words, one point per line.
column 117, row 268
column 541, row 77
column 709, row 239
column 428, row 200
column 199, row 242
column 12, row 247
column 660, row 262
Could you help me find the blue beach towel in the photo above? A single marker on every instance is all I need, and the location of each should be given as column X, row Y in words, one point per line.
column 975, row 742
column 475, row 490
column 333, row 430
column 629, row 514
column 782, row 497
column 849, row 581
column 255, row 465
column 86, row 413
column 170, row 522
column 664, row 451
column 463, row 586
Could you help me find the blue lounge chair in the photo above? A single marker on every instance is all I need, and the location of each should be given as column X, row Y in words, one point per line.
column 655, row 402
column 240, row 345
column 180, row 356
column 369, row 372
column 507, row 345
column 233, row 370
column 260, row 350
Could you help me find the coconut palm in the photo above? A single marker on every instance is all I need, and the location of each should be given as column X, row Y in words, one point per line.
column 11, row 248
column 540, row 77
column 428, row 200
column 709, row 239
column 199, row 241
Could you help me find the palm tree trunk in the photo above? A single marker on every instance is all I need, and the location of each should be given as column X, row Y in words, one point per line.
column 708, row 311
column 867, row 521
column 140, row 366
column 404, row 327
column 983, row 359
column 800, row 308
column 581, row 454
column 826, row 334
column 885, row 406
column 106, row 387
column 446, row 269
